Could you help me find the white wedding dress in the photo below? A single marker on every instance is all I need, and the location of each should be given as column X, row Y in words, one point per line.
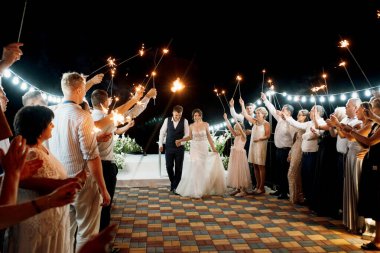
column 204, row 174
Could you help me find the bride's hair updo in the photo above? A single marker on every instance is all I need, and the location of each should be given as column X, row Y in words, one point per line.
column 196, row 111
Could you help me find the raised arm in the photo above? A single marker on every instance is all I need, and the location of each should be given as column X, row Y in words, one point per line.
column 270, row 106
column 235, row 115
column 122, row 130
column 244, row 112
column 93, row 81
column 108, row 120
column 365, row 141
column 141, row 106
column 296, row 124
column 11, row 54
column 229, row 125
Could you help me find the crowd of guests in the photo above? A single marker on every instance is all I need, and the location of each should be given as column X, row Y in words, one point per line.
column 58, row 173
column 60, row 176
column 329, row 163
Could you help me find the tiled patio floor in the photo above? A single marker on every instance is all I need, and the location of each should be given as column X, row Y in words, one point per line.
column 155, row 220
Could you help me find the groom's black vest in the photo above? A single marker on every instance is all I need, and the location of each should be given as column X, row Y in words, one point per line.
column 174, row 134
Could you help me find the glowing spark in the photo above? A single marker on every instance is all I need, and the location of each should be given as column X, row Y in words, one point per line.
column 238, row 78
column 165, row 51
column 113, row 71
column 154, row 73
column 344, row 43
column 342, row 64
column 177, row 85
column 141, row 51
column 378, row 14
column 324, row 76
column 111, row 62
column 315, row 89
column 117, row 118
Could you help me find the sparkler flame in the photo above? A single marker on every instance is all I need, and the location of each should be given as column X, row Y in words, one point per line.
column 344, row 43
column 141, row 51
column 177, row 85
column 315, row 89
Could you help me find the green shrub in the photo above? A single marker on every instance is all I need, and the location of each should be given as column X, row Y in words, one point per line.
column 122, row 147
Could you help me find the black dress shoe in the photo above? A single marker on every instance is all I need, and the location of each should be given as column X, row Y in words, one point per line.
column 283, row 196
column 370, row 246
column 275, row 193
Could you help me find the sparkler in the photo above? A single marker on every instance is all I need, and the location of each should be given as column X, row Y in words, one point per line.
column 324, row 76
column 164, row 52
column 238, row 78
column 345, row 44
column 224, row 95
column 22, row 22
column 218, row 95
column 154, row 73
column 262, row 83
column 140, row 53
column 343, row 64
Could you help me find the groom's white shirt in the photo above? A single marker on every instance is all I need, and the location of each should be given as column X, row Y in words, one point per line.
column 164, row 130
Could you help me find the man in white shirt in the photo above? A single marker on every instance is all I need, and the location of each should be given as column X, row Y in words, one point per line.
column 283, row 140
column 174, row 128
column 101, row 102
column 75, row 146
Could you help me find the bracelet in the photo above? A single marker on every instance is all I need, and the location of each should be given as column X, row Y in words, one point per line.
column 36, row 207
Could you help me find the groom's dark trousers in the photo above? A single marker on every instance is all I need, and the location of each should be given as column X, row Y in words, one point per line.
column 173, row 154
column 174, row 160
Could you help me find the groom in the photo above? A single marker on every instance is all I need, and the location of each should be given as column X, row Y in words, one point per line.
column 174, row 128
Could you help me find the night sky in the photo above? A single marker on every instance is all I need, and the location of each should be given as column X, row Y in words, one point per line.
column 293, row 40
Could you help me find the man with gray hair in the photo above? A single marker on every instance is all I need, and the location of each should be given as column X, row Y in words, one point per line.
column 74, row 144
column 33, row 97
column 283, row 140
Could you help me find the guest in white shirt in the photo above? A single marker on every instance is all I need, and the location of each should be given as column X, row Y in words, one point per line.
column 75, row 146
column 101, row 102
column 283, row 140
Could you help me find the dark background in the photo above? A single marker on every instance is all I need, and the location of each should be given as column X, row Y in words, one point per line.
column 295, row 41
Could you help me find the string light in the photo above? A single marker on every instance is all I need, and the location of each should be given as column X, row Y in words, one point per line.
column 24, row 85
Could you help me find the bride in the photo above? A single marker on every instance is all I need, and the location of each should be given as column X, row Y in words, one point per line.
column 205, row 174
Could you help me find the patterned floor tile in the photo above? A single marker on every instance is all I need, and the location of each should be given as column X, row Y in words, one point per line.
column 155, row 220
